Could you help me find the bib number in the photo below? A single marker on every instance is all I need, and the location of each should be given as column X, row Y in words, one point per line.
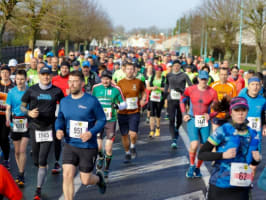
column 132, row 103
column 254, row 123
column 156, row 96
column 200, row 121
column 175, row 95
column 241, row 175
column 44, row 136
column 77, row 128
column 108, row 113
column 20, row 125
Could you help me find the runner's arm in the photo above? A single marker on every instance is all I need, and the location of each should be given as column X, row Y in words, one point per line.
column 23, row 108
column 8, row 113
column 206, row 153
column 188, row 80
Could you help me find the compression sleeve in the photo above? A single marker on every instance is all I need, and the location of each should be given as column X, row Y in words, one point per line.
column 206, row 153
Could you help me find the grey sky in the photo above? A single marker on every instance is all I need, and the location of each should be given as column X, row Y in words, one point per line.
column 145, row 13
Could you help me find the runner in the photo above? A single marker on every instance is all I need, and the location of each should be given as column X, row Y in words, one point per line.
column 199, row 97
column 223, row 88
column 79, row 120
column 133, row 90
column 237, row 148
column 119, row 74
column 91, row 78
column 32, row 74
column 5, row 85
column 236, row 79
column 41, row 99
column 156, row 86
column 175, row 86
column 18, row 122
column 111, row 98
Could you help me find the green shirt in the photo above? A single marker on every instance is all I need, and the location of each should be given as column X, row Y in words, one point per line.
column 33, row 76
column 141, row 77
column 158, row 83
column 119, row 75
column 106, row 97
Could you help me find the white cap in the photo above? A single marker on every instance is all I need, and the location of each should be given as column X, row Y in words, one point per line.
column 12, row 63
column 169, row 64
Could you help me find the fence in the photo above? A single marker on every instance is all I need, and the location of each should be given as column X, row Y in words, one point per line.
column 13, row 52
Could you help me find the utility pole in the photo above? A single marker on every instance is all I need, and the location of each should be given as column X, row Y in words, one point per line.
column 240, row 35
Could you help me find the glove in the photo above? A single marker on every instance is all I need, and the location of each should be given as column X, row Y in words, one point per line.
column 115, row 106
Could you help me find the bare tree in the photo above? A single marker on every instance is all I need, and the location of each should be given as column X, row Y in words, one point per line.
column 255, row 19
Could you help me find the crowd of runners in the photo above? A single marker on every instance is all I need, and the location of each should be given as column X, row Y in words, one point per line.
column 80, row 98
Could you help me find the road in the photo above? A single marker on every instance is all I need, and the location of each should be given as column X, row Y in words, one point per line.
column 158, row 173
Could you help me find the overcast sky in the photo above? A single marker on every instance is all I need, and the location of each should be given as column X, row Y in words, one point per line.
column 146, row 13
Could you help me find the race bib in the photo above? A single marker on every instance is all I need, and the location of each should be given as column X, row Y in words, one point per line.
column 241, row 175
column 108, row 113
column 175, row 95
column 132, row 103
column 200, row 121
column 44, row 136
column 77, row 128
column 20, row 125
column 156, row 96
column 254, row 123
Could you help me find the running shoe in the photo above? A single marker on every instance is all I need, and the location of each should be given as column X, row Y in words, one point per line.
column 190, row 171
column 101, row 184
column 174, row 145
column 127, row 158
column 17, row 179
column 197, row 173
column 157, row 132
column 6, row 164
column 57, row 168
column 21, row 182
column 166, row 117
column 37, row 195
column 100, row 162
column 151, row 133
column 133, row 153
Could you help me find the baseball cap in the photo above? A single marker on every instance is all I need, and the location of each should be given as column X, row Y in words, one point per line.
column 159, row 68
column 50, row 54
column 176, row 62
column 5, row 67
column 12, row 63
column 45, row 70
column 107, row 74
column 76, row 63
column 203, row 74
column 216, row 65
column 86, row 64
column 238, row 102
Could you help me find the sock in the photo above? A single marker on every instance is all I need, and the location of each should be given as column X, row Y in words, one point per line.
column 158, row 128
column 41, row 176
column 21, row 174
column 127, row 152
column 132, row 145
column 174, row 140
column 199, row 163
column 192, row 157
column 107, row 161
column 100, row 154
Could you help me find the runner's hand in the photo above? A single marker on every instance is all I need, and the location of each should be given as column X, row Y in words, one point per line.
column 230, row 153
column 7, row 123
column 207, row 116
column 59, row 134
column 85, row 136
column 34, row 113
column 256, row 155
column 186, row 118
column 142, row 102
column 264, row 130
column 115, row 106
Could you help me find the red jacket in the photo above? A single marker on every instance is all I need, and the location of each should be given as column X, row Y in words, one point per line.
column 8, row 187
column 239, row 83
column 62, row 83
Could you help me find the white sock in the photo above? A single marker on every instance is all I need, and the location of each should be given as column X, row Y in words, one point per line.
column 132, row 146
column 127, row 152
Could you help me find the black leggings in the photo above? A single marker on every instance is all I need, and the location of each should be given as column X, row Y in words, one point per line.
column 156, row 108
column 40, row 150
column 239, row 193
column 4, row 139
column 175, row 117
column 57, row 148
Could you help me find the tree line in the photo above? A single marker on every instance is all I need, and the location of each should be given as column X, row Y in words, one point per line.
column 57, row 20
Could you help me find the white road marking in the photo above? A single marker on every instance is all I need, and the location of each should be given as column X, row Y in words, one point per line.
column 198, row 195
column 138, row 170
column 203, row 168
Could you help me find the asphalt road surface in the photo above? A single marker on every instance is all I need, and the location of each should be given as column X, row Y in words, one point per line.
column 158, row 173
